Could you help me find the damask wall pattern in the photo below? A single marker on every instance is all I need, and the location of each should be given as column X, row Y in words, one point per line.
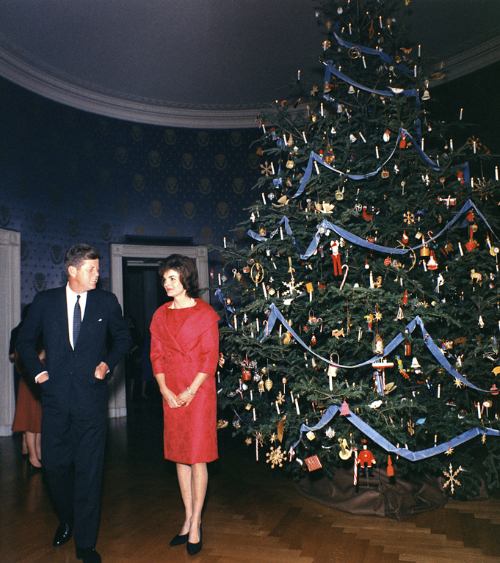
column 68, row 176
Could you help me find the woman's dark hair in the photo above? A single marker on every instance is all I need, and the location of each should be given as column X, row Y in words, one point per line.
column 186, row 268
column 77, row 254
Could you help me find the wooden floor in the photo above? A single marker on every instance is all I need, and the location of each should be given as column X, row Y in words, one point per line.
column 253, row 513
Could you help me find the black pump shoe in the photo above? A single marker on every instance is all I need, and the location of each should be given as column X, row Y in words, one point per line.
column 194, row 548
column 179, row 540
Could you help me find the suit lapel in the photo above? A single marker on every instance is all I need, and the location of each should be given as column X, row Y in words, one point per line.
column 62, row 314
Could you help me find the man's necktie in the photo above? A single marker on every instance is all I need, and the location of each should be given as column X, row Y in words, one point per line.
column 77, row 320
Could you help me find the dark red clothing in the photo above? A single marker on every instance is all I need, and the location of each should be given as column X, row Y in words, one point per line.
column 28, row 417
column 185, row 342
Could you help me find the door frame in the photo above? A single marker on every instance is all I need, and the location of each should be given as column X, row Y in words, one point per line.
column 117, row 406
column 10, row 316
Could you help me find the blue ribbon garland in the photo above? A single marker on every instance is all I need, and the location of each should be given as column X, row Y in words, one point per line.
column 368, row 51
column 227, row 308
column 326, row 225
column 386, row 445
column 330, row 69
column 315, row 157
column 288, row 229
column 429, row 342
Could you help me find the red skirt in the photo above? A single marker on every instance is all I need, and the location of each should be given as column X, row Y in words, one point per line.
column 28, row 416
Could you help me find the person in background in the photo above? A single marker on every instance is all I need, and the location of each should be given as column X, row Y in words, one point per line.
column 17, row 374
column 75, row 321
column 28, row 415
column 184, row 355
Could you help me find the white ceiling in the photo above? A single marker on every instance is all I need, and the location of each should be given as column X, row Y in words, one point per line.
column 204, row 63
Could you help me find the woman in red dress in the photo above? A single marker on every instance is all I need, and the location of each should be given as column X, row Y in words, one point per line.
column 28, row 415
column 184, row 355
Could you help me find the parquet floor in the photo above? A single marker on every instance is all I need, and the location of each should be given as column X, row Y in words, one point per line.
column 253, row 513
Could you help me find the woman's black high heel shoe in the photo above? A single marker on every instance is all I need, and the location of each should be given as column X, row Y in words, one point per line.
column 194, row 548
column 33, row 468
column 179, row 540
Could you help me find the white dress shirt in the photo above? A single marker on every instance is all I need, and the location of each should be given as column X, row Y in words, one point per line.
column 70, row 305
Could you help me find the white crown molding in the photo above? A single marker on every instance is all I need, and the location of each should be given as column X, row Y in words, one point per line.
column 117, row 106
column 469, row 61
column 51, row 84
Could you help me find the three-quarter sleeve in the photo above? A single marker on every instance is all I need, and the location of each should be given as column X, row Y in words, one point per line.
column 209, row 350
column 157, row 355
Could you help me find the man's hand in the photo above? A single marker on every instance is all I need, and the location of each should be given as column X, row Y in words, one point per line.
column 101, row 370
column 43, row 377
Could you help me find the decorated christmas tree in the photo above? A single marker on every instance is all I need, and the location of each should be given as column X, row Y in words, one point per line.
column 363, row 314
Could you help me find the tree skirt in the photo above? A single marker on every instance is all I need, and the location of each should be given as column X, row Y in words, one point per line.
column 375, row 496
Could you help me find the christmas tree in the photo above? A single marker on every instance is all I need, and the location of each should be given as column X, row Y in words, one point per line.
column 366, row 305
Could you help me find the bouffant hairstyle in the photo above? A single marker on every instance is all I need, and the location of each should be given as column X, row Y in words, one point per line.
column 77, row 254
column 186, row 268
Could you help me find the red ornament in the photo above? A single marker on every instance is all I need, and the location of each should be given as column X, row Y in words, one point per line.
column 366, row 457
column 470, row 245
column 344, row 409
column 366, row 460
column 366, row 215
column 246, row 374
column 313, row 463
column 337, row 265
column 390, row 468
column 432, row 263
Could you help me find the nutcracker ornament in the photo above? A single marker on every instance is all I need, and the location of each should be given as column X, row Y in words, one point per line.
column 366, row 461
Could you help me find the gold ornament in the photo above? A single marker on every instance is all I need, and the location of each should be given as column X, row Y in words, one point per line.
column 409, row 218
column 257, row 273
column 452, row 478
column 345, row 452
column 281, row 430
column 276, row 457
column 266, row 169
column 354, row 53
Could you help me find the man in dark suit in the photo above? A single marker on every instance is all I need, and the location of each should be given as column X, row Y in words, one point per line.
column 75, row 321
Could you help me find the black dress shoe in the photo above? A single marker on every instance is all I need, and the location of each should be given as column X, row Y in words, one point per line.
column 87, row 555
column 63, row 534
column 179, row 540
column 194, row 548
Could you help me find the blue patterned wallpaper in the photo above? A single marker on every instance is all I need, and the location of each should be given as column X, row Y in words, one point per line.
column 68, row 176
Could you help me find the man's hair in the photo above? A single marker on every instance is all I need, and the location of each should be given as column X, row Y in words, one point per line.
column 186, row 268
column 78, row 253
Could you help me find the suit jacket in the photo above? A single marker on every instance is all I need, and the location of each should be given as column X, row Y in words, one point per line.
column 71, row 372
